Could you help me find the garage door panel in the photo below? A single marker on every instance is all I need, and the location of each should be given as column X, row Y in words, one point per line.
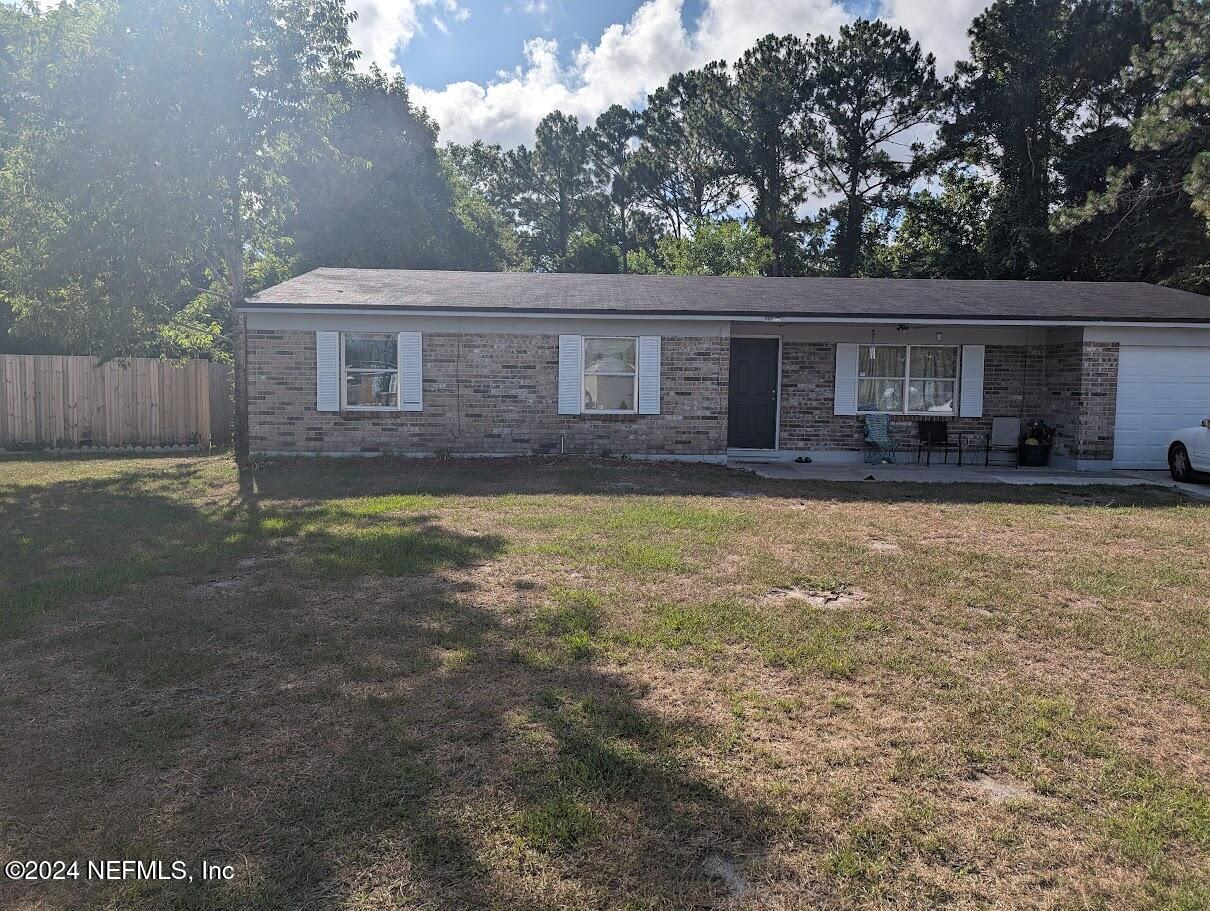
column 1160, row 390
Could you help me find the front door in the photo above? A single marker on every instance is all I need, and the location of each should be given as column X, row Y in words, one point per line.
column 752, row 414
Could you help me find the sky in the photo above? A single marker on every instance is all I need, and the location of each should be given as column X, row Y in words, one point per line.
column 491, row 69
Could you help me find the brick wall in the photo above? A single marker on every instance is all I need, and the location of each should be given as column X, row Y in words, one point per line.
column 1098, row 399
column 1080, row 398
column 486, row 394
column 1061, row 396
column 499, row 393
column 1011, row 381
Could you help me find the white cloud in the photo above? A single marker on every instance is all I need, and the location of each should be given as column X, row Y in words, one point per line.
column 383, row 27
column 939, row 25
column 632, row 59
column 729, row 27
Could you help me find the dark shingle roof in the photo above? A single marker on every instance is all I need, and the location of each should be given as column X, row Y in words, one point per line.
column 847, row 298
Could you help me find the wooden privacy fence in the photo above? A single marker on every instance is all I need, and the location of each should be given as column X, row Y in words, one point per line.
column 63, row 401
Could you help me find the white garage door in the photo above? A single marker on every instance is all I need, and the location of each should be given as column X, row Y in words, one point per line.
column 1160, row 389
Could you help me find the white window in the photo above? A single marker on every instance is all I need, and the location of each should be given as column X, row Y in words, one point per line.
column 610, row 375
column 907, row 379
column 371, row 371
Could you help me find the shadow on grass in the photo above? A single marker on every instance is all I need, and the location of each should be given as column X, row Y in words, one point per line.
column 350, row 716
column 337, row 478
column 74, row 541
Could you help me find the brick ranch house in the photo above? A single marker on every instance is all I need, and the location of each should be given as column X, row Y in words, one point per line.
column 349, row 361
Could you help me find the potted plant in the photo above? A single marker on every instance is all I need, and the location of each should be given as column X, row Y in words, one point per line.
column 1034, row 449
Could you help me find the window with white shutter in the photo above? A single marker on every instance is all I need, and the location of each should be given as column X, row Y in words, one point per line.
column 378, row 371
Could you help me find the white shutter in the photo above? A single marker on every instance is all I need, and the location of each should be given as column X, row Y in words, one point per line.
column 846, row 379
column 971, row 392
column 649, row 374
column 571, row 374
column 327, row 371
column 411, row 377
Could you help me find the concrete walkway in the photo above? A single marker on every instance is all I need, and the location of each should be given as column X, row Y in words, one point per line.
column 966, row 474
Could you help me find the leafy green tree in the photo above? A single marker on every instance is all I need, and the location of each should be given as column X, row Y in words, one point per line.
column 373, row 193
column 589, row 252
column 56, row 257
column 1176, row 122
column 943, row 234
column 149, row 168
column 551, row 188
column 479, row 176
column 612, row 147
column 481, row 168
column 1011, row 104
column 726, row 247
column 1131, row 203
column 873, row 86
column 680, row 171
column 760, row 123
column 489, row 229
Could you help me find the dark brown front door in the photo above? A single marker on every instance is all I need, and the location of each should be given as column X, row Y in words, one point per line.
column 752, row 413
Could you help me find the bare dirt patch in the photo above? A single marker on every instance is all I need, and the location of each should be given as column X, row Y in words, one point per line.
column 1000, row 788
column 841, row 596
column 884, row 547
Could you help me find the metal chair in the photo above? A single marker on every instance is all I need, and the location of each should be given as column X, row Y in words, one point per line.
column 879, row 447
column 1003, row 440
column 935, row 437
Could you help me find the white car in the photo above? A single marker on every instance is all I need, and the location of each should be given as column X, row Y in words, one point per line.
column 1189, row 452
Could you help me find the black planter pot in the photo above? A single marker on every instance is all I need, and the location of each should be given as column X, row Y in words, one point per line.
column 1033, row 456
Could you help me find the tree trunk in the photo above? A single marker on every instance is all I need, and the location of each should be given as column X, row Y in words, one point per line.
column 241, row 429
column 772, row 207
column 233, row 258
column 849, row 243
column 625, row 239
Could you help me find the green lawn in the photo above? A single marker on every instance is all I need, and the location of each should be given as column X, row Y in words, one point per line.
column 566, row 684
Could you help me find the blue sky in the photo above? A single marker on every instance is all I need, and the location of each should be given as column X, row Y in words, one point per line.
column 492, row 38
column 492, row 70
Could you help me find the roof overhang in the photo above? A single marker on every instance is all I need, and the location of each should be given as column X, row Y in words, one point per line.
column 715, row 316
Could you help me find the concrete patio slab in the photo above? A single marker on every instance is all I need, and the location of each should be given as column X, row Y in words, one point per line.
column 964, row 474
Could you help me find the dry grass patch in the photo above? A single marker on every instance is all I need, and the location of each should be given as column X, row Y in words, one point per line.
column 593, row 684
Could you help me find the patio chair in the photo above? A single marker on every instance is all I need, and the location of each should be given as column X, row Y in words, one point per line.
column 879, row 447
column 935, row 437
column 1002, row 441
